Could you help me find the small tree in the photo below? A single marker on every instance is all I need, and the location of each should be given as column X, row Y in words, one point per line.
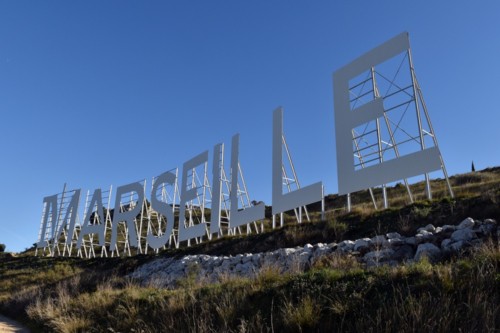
column 2, row 248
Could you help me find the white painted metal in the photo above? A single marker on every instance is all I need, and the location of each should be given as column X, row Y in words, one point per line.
column 370, row 172
column 292, row 200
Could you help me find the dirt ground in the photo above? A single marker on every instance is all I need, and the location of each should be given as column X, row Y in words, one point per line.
column 10, row 326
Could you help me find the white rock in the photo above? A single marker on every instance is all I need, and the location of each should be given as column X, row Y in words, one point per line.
column 429, row 228
column 393, row 235
column 448, row 228
column 288, row 251
column 424, row 232
column 463, row 235
column 487, row 228
column 256, row 258
column 379, row 255
column 467, row 223
column 304, row 256
column 246, row 258
column 395, row 242
column 446, row 243
column 429, row 250
column 490, row 221
column 411, row 241
column 456, row 246
column 346, row 245
column 244, row 269
column 379, row 240
column 423, row 237
column 362, row 244
column 404, row 253
column 321, row 251
column 308, row 247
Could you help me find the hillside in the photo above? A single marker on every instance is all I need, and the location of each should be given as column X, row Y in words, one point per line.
column 460, row 291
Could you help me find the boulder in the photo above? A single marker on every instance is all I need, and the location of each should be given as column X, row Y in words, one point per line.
column 429, row 250
column 487, row 229
column 393, row 235
column 467, row 223
column 429, row 228
column 445, row 244
column 346, row 246
column 379, row 240
column 395, row 242
column 308, row 247
column 424, row 237
column 411, row 241
column 463, row 235
column 362, row 244
column 448, row 228
column 378, row 255
column 403, row 253
column 456, row 246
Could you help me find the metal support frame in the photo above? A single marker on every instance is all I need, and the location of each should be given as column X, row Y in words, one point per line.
column 364, row 148
column 122, row 244
column 243, row 202
column 156, row 221
column 88, row 247
column 56, row 232
column 290, row 183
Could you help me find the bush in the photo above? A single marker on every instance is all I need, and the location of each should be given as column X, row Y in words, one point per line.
column 2, row 248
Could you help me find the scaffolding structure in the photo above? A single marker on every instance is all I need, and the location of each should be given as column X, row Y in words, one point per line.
column 168, row 194
column 405, row 126
column 98, row 216
column 59, row 224
column 290, row 182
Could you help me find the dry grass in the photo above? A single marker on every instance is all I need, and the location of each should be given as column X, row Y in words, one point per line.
column 336, row 294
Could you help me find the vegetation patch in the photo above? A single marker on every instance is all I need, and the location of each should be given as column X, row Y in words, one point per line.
column 336, row 294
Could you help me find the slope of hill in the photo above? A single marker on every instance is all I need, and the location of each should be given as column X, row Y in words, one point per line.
column 336, row 293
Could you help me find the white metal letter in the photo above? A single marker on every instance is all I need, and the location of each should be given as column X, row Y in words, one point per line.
column 156, row 242
column 247, row 215
column 349, row 179
column 187, row 232
column 301, row 197
column 128, row 216
column 96, row 228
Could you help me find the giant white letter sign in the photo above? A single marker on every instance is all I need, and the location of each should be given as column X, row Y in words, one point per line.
column 346, row 119
column 163, row 208
column 128, row 215
column 218, row 164
column 186, row 231
column 90, row 227
column 301, row 197
column 240, row 217
column 50, row 214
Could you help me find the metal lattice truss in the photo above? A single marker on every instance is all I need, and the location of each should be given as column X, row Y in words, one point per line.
column 60, row 223
column 62, row 234
column 405, row 126
column 290, row 183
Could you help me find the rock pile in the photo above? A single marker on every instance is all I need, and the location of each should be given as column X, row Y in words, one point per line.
column 390, row 249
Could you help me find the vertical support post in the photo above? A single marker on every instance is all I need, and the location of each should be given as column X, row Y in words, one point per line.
column 379, row 138
column 348, row 202
column 419, row 121
column 322, row 203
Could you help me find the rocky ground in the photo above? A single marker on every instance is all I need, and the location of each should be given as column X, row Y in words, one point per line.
column 390, row 249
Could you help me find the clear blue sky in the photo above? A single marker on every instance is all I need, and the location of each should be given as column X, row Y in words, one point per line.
column 94, row 93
